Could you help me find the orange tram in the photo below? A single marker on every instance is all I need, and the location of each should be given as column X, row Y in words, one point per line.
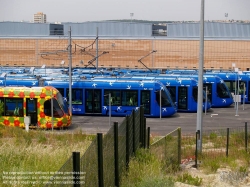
column 16, row 103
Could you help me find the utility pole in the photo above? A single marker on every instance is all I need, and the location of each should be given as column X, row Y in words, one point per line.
column 200, row 83
column 96, row 49
column 70, row 70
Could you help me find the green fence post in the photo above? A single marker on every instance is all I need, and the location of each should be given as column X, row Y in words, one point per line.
column 116, row 156
column 76, row 169
column 148, row 143
column 179, row 146
column 127, row 143
column 227, row 142
column 141, row 127
column 246, row 139
column 100, row 160
column 144, row 133
column 134, row 148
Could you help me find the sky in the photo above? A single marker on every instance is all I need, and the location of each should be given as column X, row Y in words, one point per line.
column 99, row 10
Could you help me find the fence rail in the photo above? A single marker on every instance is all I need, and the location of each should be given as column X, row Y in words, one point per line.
column 107, row 158
column 220, row 142
column 168, row 150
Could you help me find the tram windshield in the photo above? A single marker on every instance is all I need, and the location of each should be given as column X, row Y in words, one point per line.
column 222, row 91
column 62, row 103
column 195, row 95
column 165, row 101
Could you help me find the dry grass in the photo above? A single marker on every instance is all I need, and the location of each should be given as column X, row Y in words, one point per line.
column 37, row 151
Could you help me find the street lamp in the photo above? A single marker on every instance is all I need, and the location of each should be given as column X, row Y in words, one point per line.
column 237, row 97
column 109, row 95
column 233, row 66
column 131, row 15
column 44, row 67
column 32, row 70
column 226, row 15
column 62, row 63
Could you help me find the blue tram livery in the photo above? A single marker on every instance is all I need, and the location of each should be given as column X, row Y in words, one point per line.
column 91, row 97
column 183, row 91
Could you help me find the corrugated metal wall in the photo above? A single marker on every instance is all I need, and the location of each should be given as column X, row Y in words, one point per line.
column 109, row 29
column 126, row 29
column 211, row 30
column 23, row 29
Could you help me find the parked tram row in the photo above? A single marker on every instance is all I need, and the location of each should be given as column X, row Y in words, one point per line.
column 96, row 92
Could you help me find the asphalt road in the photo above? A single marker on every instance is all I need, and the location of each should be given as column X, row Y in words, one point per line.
column 216, row 118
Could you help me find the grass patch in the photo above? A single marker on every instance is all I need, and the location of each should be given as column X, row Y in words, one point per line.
column 37, row 150
column 189, row 179
column 145, row 170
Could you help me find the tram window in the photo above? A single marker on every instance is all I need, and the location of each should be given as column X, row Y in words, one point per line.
column 241, row 87
column 61, row 90
column 14, row 107
column 145, row 101
column 222, row 91
column 129, row 98
column 115, row 97
column 229, row 85
column 57, row 111
column 164, row 99
column 182, row 98
column 62, row 102
column 76, row 96
column 172, row 91
column 208, row 87
column 248, row 91
column 195, row 93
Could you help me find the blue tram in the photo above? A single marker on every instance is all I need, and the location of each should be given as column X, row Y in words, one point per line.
column 217, row 91
column 91, row 97
column 183, row 91
column 238, row 83
column 19, row 82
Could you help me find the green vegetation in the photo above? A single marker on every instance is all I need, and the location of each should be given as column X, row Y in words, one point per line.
column 37, row 151
column 47, row 151
column 145, row 170
column 189, row 179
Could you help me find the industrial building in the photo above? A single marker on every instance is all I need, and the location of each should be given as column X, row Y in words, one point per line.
column 125, row 44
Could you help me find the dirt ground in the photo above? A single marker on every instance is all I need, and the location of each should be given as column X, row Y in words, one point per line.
column 224, row 177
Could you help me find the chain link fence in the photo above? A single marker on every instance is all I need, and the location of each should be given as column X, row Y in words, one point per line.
column 217, row 143
column 168, row 150
column 107, row 158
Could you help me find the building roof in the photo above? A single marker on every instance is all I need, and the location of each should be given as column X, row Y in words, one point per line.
column 116, row 29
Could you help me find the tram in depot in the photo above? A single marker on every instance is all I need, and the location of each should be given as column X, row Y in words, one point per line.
column 217, row 91
column 238, row 83
column 183, row 91
column 18, row 81
column 91, row 97
column 36, row 102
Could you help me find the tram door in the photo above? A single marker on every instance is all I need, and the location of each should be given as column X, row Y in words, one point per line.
column 93, row 101
column 182, row 98
column 145, row 101
column 31, row 110
column 209, row 90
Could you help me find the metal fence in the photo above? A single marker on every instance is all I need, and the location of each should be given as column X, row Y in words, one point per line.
column 168, row 150
column 228, row 142
column 108, row 156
